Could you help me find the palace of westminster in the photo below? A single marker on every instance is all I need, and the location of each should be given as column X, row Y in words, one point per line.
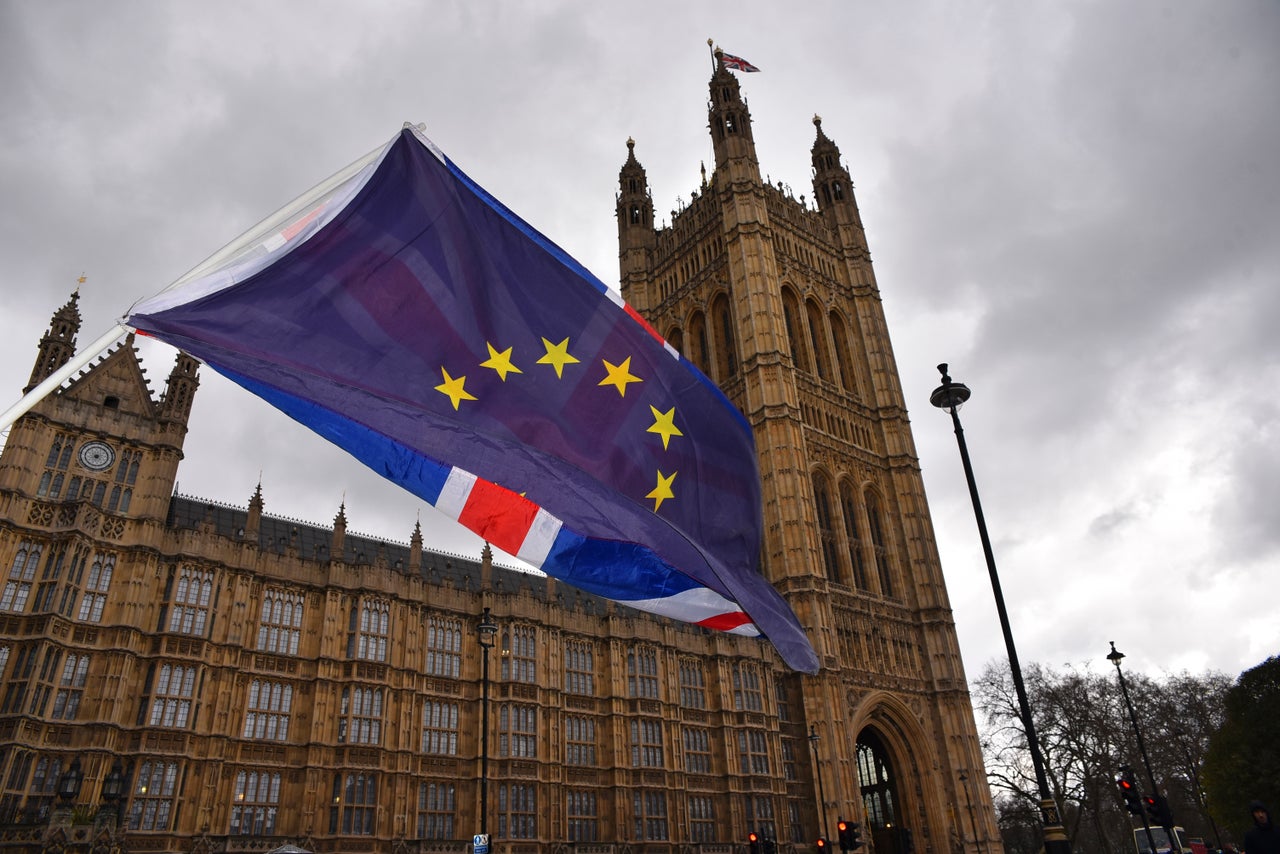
column 218, row 679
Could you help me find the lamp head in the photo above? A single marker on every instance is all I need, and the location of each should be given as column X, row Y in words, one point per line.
column 113, row 785
column 486, row 629
column 950, row 395
column 1115, row 655
column 69, row 782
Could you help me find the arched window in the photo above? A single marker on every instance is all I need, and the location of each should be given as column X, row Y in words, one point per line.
column 698, row 345
column 818, row 334
column 795, row 332
column 849, row 504
column 722, row 329
column 826, row 530
column 878, row 546
column 676, row 339
column 844, row 360
column 876, row 782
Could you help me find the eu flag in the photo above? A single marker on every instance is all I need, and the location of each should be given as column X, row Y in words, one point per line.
column 407, row 316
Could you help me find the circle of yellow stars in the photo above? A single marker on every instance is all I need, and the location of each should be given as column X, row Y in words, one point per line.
column 557, row 355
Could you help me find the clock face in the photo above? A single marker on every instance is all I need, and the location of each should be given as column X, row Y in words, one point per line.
column 96, row 456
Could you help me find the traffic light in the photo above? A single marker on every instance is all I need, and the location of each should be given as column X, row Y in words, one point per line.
column 753, row 843
column 822, row 845
column 850, row 835
column 1129, row 791
column 1157, row 807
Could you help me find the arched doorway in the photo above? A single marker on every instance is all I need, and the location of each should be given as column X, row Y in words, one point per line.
column 882, row 807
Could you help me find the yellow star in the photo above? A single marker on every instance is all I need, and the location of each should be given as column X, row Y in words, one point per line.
column 453, row 388
column 500, row 362
column 619, row 376
column 558, row 356
column 662, row 491
column 664, row 424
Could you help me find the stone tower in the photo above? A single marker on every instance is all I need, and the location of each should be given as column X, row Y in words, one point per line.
column 778, row 303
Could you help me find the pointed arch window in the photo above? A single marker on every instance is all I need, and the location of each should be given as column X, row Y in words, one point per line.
column 884, row 567
column 676, row 339
column 849, row 505
column 876, row 782
column 826, row 530
column 725, row 348
column 844, row 360
column 698, row 343
column 795, row 336
column 818, row 334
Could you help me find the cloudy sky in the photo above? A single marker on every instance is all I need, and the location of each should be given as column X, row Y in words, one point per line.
column 1076, row 205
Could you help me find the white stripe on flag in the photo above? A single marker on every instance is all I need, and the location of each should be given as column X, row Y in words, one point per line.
column 693, row 606
column 453, row 497
column 538, row 541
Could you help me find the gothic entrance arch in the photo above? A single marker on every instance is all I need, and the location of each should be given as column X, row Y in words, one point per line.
column 882, row 808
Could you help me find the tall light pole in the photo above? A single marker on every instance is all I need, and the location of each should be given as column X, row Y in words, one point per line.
column 949, row 396
column 485, row 632
column 817, row 767
column 1115, row 657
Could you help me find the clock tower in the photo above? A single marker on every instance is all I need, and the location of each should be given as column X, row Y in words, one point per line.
column 101, row 440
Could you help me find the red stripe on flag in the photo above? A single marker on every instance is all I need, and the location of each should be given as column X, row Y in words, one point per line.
column 634, row 315
column 497, row 514
column 725, row 622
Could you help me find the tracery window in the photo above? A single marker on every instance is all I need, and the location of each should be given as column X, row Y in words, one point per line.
column 171, row 697
column 444, row 647
column 280, row 624
column 267, row 716
column 440, row 728
column 154, row 786
column 642, row 672
column 255, row 803
column 520, row 654
column 191, row 597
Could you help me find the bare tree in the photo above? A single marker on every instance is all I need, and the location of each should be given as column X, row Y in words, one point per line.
column 1085, row 736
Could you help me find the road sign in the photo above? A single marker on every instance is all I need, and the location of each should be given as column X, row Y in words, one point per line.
column 480, row 843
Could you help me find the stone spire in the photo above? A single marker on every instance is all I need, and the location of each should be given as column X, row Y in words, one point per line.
column 338, row 547
column 415, row 548
column 253, row 524
column 58, row 344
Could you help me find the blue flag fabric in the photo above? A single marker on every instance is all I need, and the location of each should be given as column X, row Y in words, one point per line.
column 417, row 323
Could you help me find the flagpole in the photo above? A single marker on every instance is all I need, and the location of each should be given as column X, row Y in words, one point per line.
column 712, row 50
column 58, row 377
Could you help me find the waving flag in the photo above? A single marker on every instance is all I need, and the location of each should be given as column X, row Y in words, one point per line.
column 736, row 63
column 407, row 316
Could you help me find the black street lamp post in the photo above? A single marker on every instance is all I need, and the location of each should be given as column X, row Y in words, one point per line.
column 949, row 396
column 817, row 767
column 1115, row 657
column 486, row 630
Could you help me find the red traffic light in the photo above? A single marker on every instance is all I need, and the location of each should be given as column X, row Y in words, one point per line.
column 1125, row 784
column 841, row 826
column 821, row 844
column 751, row 837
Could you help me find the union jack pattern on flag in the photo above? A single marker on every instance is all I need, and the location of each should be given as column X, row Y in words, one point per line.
column 406, row 315
column 737, row 63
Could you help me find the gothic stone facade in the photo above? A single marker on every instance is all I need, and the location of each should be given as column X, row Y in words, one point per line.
column 262, row 680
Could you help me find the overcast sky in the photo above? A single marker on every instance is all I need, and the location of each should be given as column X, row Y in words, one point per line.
column 1077, row 205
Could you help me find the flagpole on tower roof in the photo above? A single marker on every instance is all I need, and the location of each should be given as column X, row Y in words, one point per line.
column 711, row 48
